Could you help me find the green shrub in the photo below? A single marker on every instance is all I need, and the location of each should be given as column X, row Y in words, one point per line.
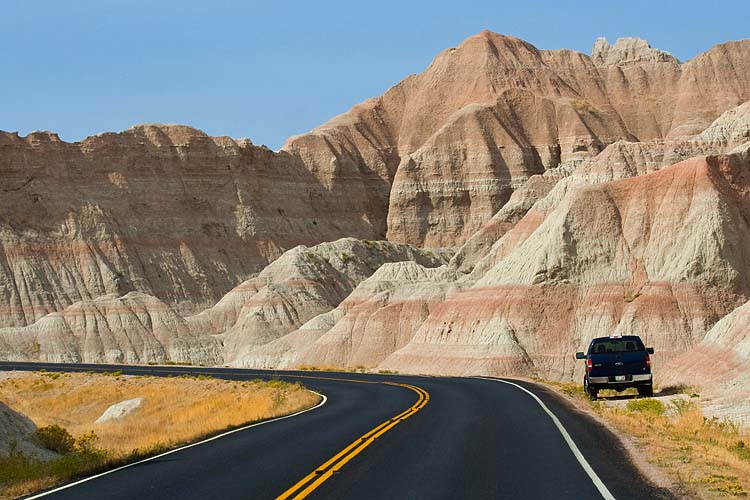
column 55, row 438
column 278, row 384
column 85, row 448
column 81, row 457
column 648, row 405
column 741, row 450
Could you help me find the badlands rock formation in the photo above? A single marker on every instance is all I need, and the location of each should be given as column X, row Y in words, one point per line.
column 663, row 255
column 719, row 366
column 165, row 210
column 620, row 245
column 134, row 328
column 619, row 160
column 628, row 51
column 172, row 212
column 140, row 328
column 379, row 317
column 585, row 195
column 17, row 434
column 501, row 110
column 301, row 284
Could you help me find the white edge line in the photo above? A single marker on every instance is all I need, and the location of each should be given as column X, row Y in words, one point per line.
column 569, row 440
column 323, row 401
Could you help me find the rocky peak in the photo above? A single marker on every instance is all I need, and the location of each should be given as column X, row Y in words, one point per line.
column 626, row 51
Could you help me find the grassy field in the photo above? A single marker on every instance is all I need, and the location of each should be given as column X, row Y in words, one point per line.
column 175, row 411
column 707, row 458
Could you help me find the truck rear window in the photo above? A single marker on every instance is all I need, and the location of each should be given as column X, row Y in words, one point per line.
column 616, row 345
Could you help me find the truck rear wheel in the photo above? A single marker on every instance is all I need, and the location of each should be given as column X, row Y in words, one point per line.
column 647, row 391
column 591, row 392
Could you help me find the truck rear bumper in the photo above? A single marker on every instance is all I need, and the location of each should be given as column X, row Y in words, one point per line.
column 641, row 378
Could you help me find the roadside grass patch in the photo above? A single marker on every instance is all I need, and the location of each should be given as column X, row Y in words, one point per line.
column 647, row 405
column 176, row 411
column 707, row 457
column 569, row 388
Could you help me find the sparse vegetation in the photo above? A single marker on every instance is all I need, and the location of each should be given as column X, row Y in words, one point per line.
column 175, row 363
column 312, row 259
column 631, row 296
column 55, row 438
column 176, row 411
column 649, row 406
column 322, row 368
column 20, row 474
column 709, row 457
column 331, row 368
column 583, row 106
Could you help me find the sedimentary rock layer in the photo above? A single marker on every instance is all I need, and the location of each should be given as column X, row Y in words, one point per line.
column 719, row 366
column 134, row 328
column 662, row 255
column 377, row 318
column 172, row 212
column 301, row 284
column 165, row 210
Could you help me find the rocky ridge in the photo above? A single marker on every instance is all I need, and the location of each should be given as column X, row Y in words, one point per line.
column 171, row 212
column 139, row 328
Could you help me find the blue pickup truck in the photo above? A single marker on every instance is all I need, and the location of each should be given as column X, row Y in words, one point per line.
column 617, row 363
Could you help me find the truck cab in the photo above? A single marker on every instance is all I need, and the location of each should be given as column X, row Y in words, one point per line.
column 617, row 362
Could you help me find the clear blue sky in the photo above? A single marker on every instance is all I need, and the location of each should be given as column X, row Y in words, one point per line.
column 268, row 70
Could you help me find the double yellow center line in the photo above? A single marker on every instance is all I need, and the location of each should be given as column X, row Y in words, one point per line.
column 333, row 465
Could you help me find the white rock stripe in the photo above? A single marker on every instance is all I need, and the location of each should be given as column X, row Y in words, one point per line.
column 323, row 400
column 569, row 440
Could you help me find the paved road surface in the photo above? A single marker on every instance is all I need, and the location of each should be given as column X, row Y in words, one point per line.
column 457, row 438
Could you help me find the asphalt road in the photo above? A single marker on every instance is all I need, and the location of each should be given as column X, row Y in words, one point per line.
column 472, row 439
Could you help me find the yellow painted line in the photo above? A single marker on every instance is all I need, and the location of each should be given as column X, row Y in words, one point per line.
column 321, row 474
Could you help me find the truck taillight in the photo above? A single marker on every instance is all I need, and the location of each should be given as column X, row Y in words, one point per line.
column 589, row 365
column 648, row 360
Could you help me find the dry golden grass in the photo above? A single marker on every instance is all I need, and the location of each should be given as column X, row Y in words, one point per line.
column 709, row 458
column 24, row 488
column 175, row 410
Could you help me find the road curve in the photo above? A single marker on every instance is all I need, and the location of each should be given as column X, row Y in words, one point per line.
column 474, row 439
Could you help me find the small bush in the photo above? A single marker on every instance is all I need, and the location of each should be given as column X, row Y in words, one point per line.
column 683, row 406
column 85, row 447
column 278, row 384
column 722, row 425
column 741, row 450
column 80, row 457
column 55, row 438
column 650, row 406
